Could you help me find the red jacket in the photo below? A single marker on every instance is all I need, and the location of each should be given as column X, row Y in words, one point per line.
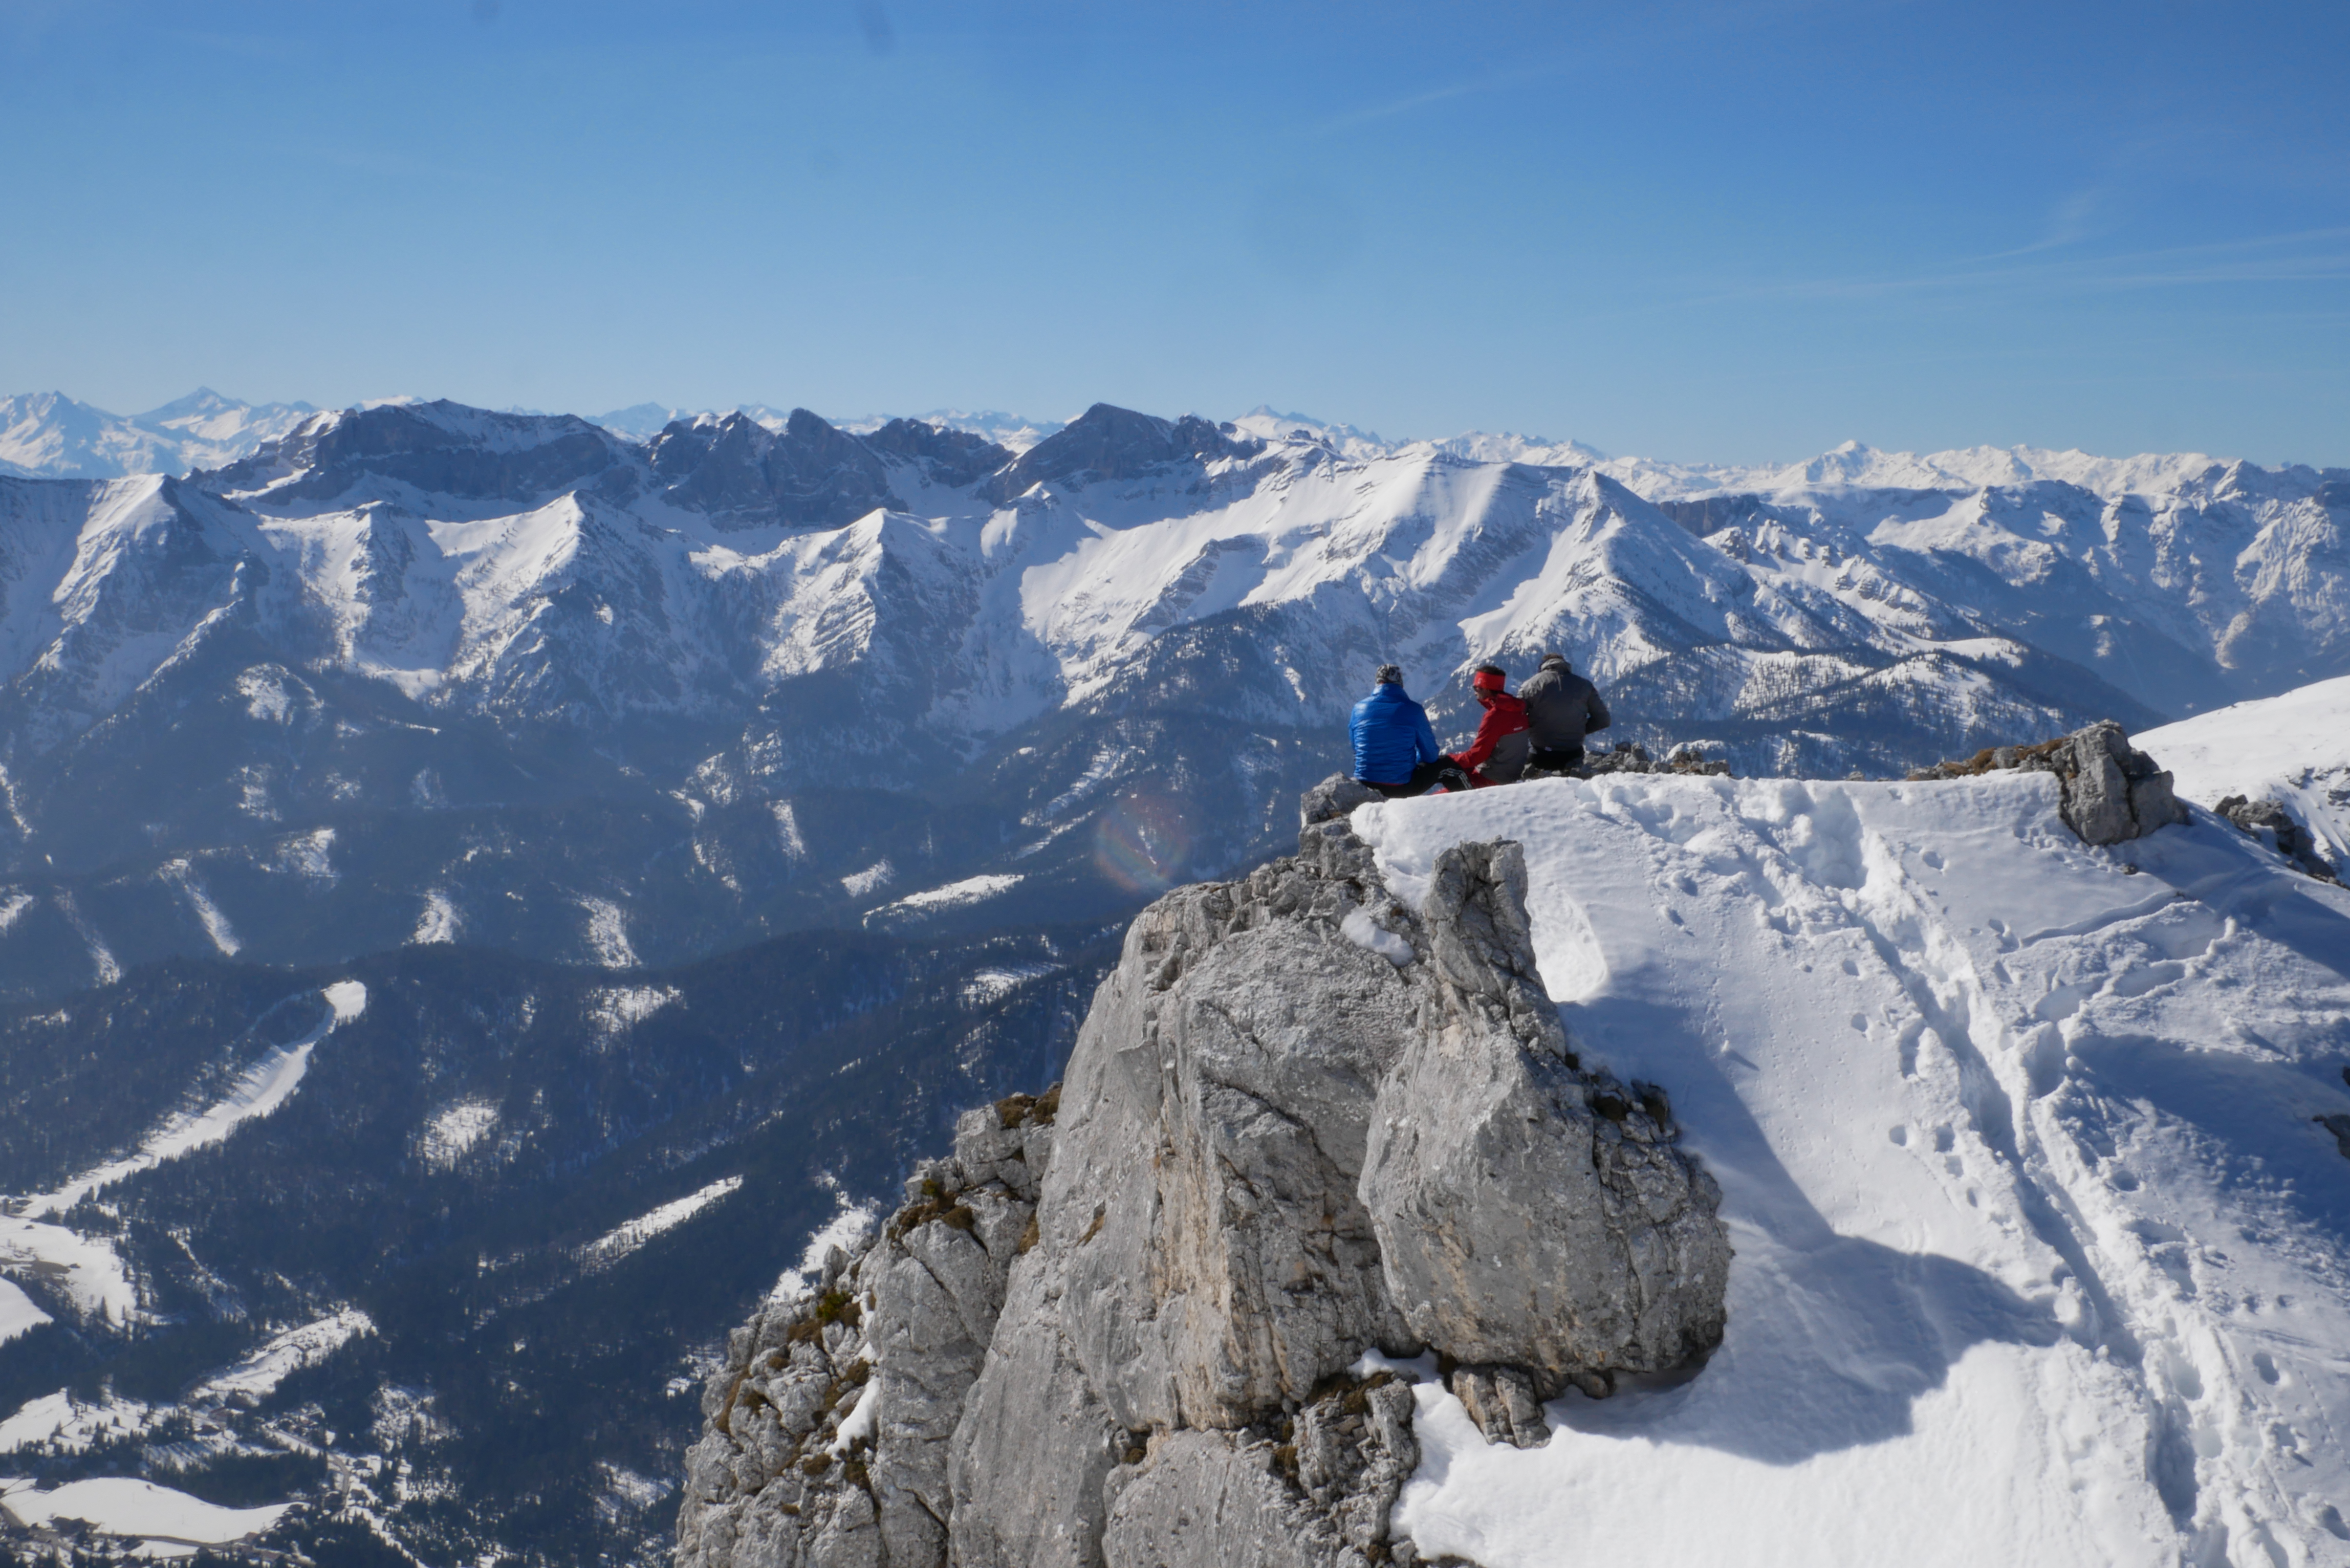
column 1504, row 718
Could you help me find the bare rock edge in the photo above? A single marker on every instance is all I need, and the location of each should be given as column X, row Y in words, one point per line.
column 1124, row 1323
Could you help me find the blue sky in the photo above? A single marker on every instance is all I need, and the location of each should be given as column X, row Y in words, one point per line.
column 1707, row 231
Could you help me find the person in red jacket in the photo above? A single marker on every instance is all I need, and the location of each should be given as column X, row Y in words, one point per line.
column 1499, row 754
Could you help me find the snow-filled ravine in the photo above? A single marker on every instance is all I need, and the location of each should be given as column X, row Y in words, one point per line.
column 2041, row 1256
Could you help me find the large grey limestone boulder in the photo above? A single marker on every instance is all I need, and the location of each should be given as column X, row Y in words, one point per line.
column 1204, row 1261
column 1335, row 797
column 2112, row 792
column 1530, row 1215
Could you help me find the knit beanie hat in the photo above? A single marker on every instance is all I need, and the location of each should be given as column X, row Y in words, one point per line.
column 1389, row 675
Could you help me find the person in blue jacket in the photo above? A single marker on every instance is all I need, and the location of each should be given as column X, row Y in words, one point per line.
column 1395, row 749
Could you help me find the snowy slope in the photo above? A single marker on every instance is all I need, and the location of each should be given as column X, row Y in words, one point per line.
column 173, row 1523
column 2040, row 1256
column 2294, row 750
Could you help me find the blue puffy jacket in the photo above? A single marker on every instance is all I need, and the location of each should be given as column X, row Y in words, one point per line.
column 1391, row 737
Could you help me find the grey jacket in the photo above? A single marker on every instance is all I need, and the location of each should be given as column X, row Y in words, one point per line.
column 1561, row 707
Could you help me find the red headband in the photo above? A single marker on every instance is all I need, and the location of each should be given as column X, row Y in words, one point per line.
column 1487, row 680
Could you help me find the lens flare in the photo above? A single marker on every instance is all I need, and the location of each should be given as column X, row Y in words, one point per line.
column 1143, row 840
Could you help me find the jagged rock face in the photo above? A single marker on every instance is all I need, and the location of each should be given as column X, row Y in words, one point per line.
column 743, row 474
column 2112, row 792
column 1301, row 1123
column 1109, row 443
column 951, row 456
column 440, row 448
column 1216, row 1259
column 828, row 1430
column 1225, row 1499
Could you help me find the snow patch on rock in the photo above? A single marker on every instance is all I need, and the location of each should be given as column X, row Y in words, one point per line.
column 438, row 922
column 607, row 934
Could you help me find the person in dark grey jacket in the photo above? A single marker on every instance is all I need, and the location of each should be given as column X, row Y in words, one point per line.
column 1561, row 707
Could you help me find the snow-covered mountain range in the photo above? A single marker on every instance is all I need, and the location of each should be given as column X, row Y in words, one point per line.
column 304, row 704
column 48, row 435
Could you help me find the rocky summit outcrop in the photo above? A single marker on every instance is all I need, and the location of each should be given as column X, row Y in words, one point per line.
column 2274, row 824
column 2112, row 792
column 1132, row 1325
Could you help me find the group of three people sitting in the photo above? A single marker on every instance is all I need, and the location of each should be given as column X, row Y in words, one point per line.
column 1541, row 727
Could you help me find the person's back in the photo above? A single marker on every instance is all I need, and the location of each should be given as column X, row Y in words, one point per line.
column 1561, row 707
column 1503, row 746
column 1391, row 734
column 1395, row 746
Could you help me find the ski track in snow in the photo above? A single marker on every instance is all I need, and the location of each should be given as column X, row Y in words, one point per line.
column 2042, row 1225
column 87, row 1267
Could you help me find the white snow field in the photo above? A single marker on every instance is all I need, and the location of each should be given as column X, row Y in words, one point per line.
column 2041, row 1258
column 627, row 1237
column 2294, row 749
column 164, row 1518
